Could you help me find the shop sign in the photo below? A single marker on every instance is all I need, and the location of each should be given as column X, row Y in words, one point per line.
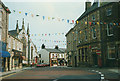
column 98, row 52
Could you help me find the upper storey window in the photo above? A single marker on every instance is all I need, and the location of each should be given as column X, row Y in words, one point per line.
column 109, row 11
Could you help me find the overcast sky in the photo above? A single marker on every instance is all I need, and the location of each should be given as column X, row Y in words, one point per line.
column 59, row 10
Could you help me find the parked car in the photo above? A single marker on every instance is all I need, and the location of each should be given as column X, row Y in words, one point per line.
column 42, row 65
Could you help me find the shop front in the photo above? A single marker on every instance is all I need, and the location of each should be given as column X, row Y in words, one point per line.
column 5, row 56
column 54, row 62
column 17, row 59
column 61, row 61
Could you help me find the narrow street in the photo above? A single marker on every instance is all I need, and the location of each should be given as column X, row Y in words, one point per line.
column 53, row 74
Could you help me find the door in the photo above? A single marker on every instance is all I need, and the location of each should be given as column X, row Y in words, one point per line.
column 95, row 59
column 75, row 61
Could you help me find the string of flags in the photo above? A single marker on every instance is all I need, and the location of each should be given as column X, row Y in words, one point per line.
column 97, row 23
column 56, row 41
column 62, row 19
column 47, row 34
column 44, row 17
column 68, row 20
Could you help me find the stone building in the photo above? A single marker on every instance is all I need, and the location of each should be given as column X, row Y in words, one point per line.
column 95, row 36
column 4, row 20
column 15, row 48
column 29, row 49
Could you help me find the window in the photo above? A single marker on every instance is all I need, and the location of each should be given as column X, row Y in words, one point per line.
column 13, row 44
column 109, row 29
column 0, row 33
column 119, row 51
column 93, row 17
column 111, row 51
column 85, row 35
column 9, row 45
column 39, row 55
column 94, row 32
column 109, row 11
column 79, row 36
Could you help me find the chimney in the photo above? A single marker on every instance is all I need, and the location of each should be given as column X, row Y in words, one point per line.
column 87, row 5
column 43, row 46
column 56, row 47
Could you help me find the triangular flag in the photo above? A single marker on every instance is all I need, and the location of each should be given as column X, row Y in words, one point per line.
column 19, row 12
column 13, row 10
column 26, row 14
column 53, row 18
column 32, row 15
column 77, row 22
column 43, row 17
column 98, row 23
column 117, row 24
column 90, row 23
column 62, row 19
column 37, row 15
column 86, row 23
column 48, row 18
column 72, row 21
column 68, row 21
column 114, row 24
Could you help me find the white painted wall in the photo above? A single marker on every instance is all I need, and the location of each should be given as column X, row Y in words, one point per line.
column 44, row 55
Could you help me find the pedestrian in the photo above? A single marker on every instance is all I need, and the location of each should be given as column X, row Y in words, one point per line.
column 66, row 63
column 32, row 64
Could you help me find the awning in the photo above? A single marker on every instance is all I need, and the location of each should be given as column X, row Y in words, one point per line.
column 4, row 54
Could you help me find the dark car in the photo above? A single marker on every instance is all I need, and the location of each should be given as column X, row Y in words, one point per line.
column 42, row 65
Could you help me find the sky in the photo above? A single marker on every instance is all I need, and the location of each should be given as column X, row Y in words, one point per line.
column 55, row 27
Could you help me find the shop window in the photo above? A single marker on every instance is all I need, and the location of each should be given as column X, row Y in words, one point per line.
column 82, row 54
column 109, row 11
column 94, row 32
column 111, row 52
column 109, row 29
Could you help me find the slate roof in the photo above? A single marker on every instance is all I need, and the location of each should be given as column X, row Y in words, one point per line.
column 60, row 50
column 92, row 8
column 14, row 32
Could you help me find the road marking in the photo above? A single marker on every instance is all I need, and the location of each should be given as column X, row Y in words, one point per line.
column 100, row 73
column 55, row 80
column 7, row 75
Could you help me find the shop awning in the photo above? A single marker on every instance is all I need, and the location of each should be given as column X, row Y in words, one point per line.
column 4, row 54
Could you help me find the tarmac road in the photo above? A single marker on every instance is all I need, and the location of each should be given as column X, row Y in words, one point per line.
column 53, row 74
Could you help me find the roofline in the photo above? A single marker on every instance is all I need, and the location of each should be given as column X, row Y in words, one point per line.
column 93, row 10
column 15, row 37
column 69, row 31
column 5, row 7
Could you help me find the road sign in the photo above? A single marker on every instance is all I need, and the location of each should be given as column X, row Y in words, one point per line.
column 98, row 52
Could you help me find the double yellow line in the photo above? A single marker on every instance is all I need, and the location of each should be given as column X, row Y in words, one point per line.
column 8, row 75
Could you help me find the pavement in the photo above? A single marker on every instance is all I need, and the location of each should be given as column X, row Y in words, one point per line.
column 14, row 71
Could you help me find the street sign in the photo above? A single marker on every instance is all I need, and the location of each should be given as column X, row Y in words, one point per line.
column 98, row 52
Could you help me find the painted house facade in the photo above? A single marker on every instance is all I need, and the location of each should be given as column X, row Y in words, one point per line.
column 54, row 57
